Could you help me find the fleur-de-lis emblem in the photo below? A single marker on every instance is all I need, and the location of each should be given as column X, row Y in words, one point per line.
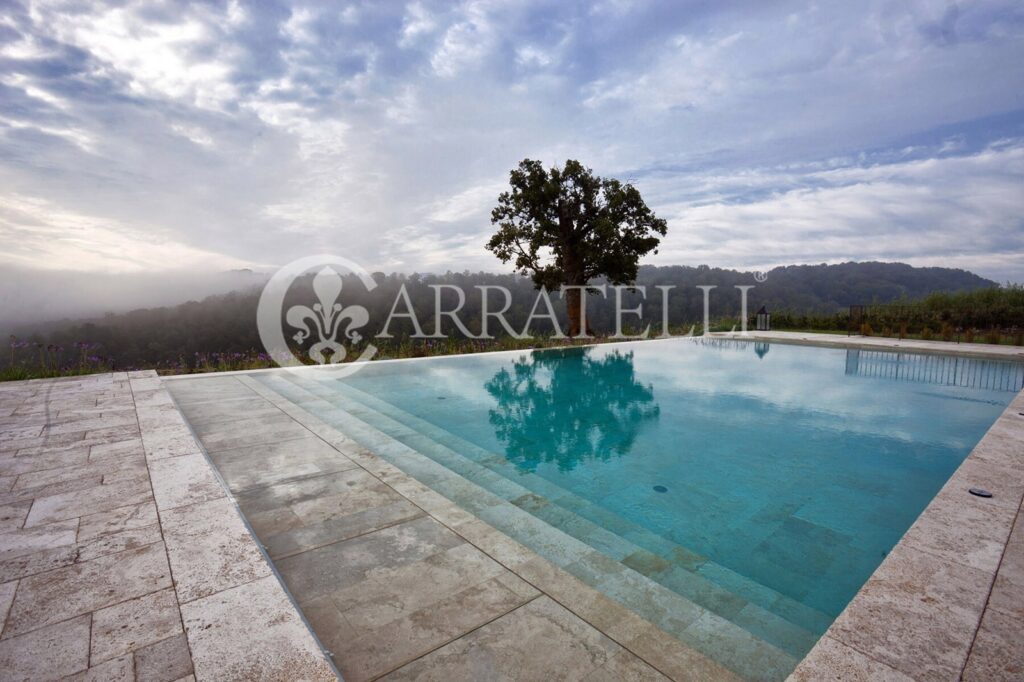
column 327, row 316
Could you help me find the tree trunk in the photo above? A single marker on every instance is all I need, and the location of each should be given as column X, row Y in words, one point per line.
column 573, row 298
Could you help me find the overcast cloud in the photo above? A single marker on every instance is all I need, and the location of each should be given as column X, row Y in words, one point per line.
column 148, row 137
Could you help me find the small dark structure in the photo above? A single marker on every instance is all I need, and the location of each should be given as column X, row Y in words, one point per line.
column 764, row 320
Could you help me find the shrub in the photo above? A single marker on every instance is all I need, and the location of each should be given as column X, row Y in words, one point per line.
column 969, row 335
column 947, row 331
column 903, row 330
column 993, row 336
column 926, row 334
column 865, row 329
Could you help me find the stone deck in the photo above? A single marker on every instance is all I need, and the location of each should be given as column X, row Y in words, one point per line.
column 121, row 555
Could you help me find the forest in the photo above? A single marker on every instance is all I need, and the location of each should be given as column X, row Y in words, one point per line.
column 219, row 332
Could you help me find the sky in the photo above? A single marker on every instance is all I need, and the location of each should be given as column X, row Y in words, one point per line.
column 152, row 137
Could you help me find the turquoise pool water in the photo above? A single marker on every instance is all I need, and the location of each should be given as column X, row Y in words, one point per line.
column 764, row 483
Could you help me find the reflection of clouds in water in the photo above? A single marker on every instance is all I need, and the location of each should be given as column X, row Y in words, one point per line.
column 706, row 378
column 864, row 405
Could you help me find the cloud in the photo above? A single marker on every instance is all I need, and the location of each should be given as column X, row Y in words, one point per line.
column 42, row 235
column 964, row 211
column 138, row 135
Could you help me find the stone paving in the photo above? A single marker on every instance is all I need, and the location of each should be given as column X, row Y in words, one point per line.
column 121, row 556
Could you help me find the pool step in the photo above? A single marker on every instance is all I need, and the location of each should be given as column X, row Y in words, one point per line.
column 648, row 553
column 728, row 642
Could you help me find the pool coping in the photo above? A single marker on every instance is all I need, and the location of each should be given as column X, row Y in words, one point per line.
column 187, row 480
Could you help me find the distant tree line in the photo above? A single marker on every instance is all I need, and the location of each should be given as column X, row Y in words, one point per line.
column 798, row 296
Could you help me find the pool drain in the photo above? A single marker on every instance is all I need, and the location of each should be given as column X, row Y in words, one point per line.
column 980, row 492
column 660, row 489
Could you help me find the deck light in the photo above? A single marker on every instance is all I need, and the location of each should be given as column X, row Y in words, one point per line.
column 980, row 492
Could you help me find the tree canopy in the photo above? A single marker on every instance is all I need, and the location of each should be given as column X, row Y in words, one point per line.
column 567, row 226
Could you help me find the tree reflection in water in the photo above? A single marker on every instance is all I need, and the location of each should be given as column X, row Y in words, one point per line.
column 565, row 406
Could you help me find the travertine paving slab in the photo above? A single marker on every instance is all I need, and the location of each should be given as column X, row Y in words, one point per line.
column 210, row 549
column 180, row 481
column 168, row 659
column 239, row 633
column 326, row 569
column 388, row 594
column 206, row 389
column 6, row 598
column 115, row 670
column 100, row 468
column 12, row 516
column 916, row 614
column 119, row 542
column 169, row 441
column 250, row 432
column 223, row 411
column 88, row 501
column 1008, row 590
column 316, row 511
column 53, row 489
column 38, row 562
column 625, row 667
column 998, row 651
column 405, row 639
column 125, row 627
column 63, row 648
column 831, row 660
column 115, row 449
column 15, row 543
column 269, row 463
column 119, row 519
column 963, row 529
column 540, row 640
column 16, row 465
column 60, row 594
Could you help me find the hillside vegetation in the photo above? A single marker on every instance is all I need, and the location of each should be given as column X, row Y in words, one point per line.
column 220, row 331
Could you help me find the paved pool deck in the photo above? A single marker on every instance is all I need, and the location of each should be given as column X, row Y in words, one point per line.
column 122, row 557
column 128, row 551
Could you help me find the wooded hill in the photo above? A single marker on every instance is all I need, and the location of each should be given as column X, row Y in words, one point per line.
column 227, row 323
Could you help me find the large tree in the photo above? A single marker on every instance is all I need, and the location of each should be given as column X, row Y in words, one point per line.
column 566, row 226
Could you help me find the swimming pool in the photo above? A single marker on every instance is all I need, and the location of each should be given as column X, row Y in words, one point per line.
column 762, row 483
